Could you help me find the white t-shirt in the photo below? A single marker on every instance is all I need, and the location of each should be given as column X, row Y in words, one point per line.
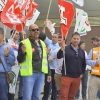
column 15, row 47
column 59, row 61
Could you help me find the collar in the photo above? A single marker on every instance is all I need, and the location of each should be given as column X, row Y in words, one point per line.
column 55, row 44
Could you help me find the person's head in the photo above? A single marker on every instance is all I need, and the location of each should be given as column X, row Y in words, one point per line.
column 14, row 34
column 60, row 40
column 54, row 38
column 42, row 36
column 95, row 41
column 22, row 35
column 1, row 34
column 75, row 40
column 34, row 31
column 82, row 44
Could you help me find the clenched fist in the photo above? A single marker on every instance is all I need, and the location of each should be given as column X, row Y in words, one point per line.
column 23, row 47
column 63, row 47
column 6, row 51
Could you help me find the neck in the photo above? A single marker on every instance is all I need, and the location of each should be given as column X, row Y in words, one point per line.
column 14, row 40
column 36, row 39
column 54, row 42
column 76, row 47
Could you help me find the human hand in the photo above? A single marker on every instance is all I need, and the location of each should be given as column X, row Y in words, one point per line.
column 50, row 58
column 98, row 62
column 48, row 78
column 23, row 47
column 63, row 47
column 6, row 51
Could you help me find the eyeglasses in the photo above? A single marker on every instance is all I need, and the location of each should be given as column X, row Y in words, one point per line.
column 35, row 29
column 76, row 54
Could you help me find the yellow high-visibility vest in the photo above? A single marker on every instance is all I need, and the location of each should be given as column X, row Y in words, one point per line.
column 26, row 66
column 96, row 55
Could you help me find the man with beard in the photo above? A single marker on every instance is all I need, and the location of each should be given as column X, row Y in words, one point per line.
column 32, row 56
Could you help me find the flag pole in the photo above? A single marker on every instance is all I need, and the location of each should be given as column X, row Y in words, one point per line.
column 48, row 10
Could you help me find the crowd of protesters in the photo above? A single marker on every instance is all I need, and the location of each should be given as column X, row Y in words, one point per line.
column 50, row 63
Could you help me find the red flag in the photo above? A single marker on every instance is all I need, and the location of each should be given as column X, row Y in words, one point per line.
column 30, row 9
column 8, row 15
column 66, row 10
column 12, row 14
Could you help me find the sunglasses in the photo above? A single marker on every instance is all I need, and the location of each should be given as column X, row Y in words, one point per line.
column 35, row 29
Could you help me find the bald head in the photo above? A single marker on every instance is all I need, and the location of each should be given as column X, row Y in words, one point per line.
column 34, row 31
column 32, row 26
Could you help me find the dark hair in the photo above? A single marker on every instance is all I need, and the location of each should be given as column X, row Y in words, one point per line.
column 95, row 39
column 60, row 36
column 42, row 36
column 1, row 30
column 81, row 42
column 75, row 34
column 12, row 31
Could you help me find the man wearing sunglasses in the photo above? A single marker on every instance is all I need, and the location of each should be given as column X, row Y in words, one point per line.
column 32, row 56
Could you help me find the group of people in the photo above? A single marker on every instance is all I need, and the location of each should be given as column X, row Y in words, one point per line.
column 60, row 67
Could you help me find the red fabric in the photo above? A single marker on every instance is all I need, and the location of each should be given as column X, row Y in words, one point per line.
column 68, row 14
column 69, row 88
column 12, row 15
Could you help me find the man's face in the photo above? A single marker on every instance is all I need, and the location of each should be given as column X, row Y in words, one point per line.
column 55, row 38
column 95, row 43
column 1, row 36
column 22, row 35
column 16, row 35
column 60, row 41
column 34, row 31
column 75, row 40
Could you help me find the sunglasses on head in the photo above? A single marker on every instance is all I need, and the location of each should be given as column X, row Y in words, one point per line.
column 35, row 29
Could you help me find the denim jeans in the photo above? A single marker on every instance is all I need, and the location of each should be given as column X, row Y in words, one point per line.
column 20, row 92
column 11, row 96
column 32, row 86
column 84, row 86
column 98, row 94
column 3, row 87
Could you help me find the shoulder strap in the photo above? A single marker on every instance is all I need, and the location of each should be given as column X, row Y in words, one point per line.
column 2, row 65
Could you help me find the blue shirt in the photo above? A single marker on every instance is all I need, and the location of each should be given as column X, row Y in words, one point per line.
column 52, row 46
column 89, row 60
column 7, row 61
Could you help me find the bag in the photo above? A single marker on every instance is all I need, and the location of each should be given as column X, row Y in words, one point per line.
column 9, row 77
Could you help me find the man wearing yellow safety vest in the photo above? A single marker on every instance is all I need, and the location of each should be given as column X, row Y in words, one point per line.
column 93, row 59
column 32, row 56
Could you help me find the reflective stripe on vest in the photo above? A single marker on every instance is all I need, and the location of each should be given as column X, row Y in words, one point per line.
column 96, row 55
column 26, row 66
